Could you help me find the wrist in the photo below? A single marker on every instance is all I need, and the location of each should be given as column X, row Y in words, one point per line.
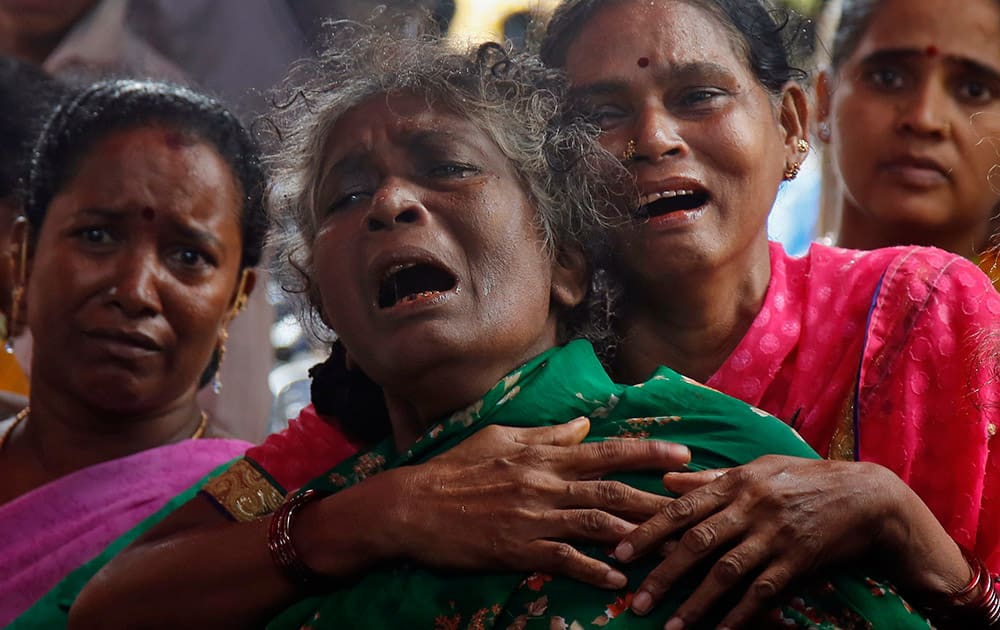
column 284, row 552
column 976, row 604
column 352, row 530
column 928, row 561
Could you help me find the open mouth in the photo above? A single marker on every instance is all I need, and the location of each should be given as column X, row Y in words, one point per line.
column 412, row 282
column 661, row 203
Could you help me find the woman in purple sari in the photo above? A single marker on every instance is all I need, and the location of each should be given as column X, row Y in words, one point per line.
column 144, row 222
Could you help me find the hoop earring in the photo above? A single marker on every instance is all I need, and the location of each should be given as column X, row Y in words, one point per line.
column 629, row 152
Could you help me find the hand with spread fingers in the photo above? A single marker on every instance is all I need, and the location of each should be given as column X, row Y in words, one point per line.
column 767, row 525
column 520, row 492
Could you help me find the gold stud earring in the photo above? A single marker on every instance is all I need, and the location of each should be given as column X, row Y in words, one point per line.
column 629, row 152
column 802, row 145
column 792, row 171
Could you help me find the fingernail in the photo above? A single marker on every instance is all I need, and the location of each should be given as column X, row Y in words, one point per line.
column 615, row 579
column 675, row 623
column 624, row 551
column 641, row 603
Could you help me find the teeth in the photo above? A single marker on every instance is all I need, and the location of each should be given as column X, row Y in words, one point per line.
column 396, row 269
column 666, row 194
column 417, row 296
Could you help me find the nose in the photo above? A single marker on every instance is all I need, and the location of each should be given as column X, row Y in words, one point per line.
column 657, row 135
column 395, row 204
column 925, row 111
column 135, row 287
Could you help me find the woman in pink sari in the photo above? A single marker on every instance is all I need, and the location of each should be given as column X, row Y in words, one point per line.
column 878, row 358
column 144, row 222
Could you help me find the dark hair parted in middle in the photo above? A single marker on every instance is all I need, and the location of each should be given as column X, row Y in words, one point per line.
column 107, row 107
column 775, row 41
column 574, row 184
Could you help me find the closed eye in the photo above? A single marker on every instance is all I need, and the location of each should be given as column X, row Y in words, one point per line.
column 607, row 116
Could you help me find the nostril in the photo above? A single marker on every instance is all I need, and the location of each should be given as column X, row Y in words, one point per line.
column 407, row 216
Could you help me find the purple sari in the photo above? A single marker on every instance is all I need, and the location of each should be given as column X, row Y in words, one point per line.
column 53, row 529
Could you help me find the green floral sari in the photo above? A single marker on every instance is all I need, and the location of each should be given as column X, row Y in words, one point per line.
column 559, row 385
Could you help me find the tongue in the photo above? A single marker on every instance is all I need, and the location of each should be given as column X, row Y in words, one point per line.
column 413, row 282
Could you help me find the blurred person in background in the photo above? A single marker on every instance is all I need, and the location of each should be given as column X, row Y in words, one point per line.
column 910, row 108
column 27, row 97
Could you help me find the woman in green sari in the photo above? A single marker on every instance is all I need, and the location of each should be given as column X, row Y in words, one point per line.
column 451, row 273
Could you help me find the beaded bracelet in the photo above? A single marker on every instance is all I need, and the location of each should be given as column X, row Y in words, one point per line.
column 279, row 541
column 976, row 605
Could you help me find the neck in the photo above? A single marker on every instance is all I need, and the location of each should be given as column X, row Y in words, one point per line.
column 860, row 230
column 693, row 323
column 419, row 398
column 65, row 434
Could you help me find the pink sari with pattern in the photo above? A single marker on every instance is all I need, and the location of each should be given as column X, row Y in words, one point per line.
column 54, row 529
column 884, row 356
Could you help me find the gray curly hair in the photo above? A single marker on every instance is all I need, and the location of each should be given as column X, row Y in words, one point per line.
column 575, row 184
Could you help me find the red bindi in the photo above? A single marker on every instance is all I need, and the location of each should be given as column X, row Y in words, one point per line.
column 643, row 62
column 148, row 213
column 932, row 51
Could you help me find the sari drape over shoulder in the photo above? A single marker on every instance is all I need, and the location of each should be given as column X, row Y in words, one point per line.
column 884, row 356
column 557, row 386
column 54, row 529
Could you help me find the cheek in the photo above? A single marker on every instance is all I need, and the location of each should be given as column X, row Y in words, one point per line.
column 330, row 276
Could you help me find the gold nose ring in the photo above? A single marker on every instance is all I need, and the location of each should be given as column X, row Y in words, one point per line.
column 629, row 152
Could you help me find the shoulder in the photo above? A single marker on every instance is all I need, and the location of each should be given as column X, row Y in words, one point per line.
column 311, row 444
column 921, row 277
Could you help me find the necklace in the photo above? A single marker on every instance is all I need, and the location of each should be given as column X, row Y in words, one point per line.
column 24, row 413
